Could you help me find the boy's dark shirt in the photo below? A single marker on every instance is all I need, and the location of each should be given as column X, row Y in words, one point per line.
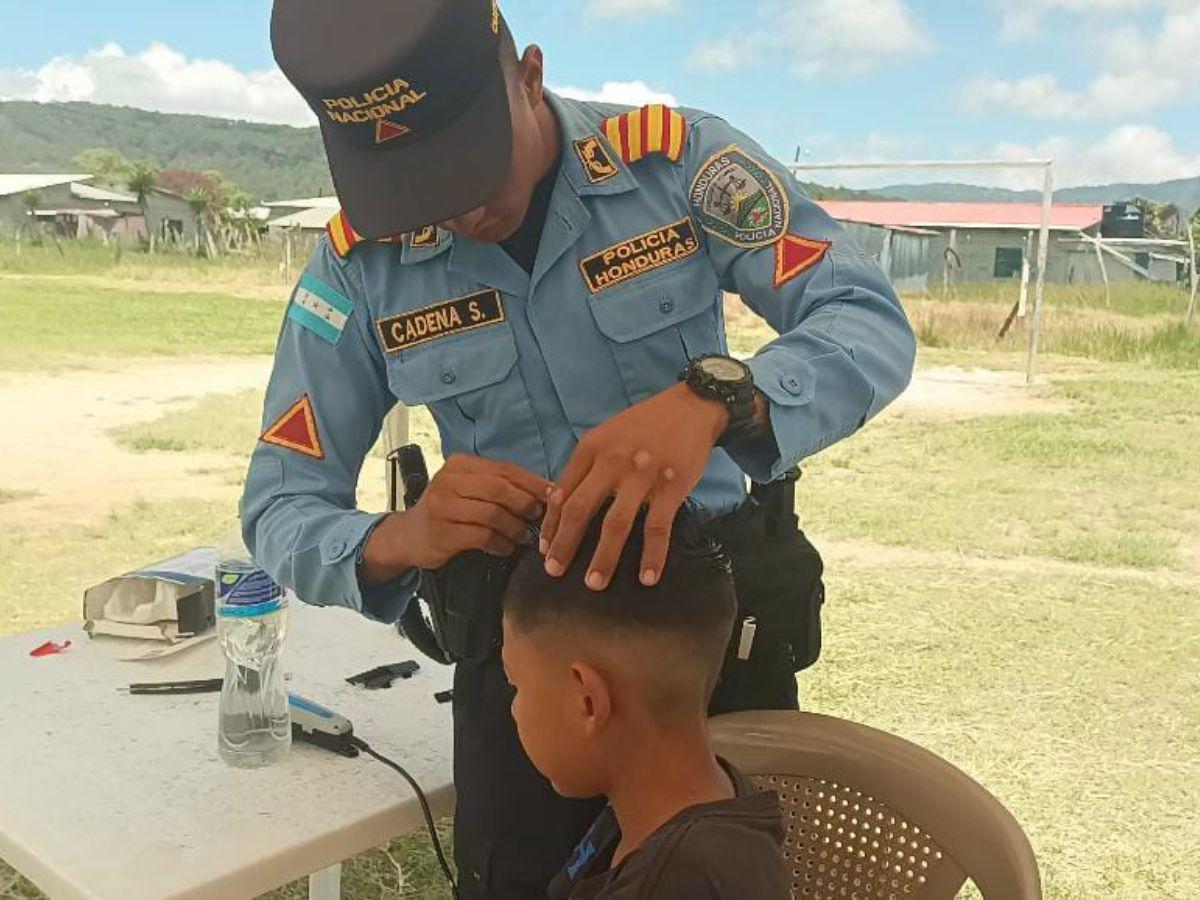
column 728, row 850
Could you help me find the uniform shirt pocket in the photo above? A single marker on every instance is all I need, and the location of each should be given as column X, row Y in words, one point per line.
column 655, row 328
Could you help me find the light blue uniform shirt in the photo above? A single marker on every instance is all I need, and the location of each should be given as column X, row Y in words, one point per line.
column 627, row 287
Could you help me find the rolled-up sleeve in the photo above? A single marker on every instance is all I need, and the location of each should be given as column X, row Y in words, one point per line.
column 845, row 348
column 324, row 408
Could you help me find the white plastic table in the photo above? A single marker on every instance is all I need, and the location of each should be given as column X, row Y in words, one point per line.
column 109, row 796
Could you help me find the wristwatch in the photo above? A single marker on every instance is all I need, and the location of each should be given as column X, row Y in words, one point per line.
column 729, row 381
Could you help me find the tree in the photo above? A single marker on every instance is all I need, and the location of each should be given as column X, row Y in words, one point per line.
column 142, row 179
column 106, row 165
column 199, row 200
column 1163, row 220
column 32, row 200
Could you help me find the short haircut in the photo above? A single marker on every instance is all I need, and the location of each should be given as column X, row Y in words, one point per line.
column 689, row 613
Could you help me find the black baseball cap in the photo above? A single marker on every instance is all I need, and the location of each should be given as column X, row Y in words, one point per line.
column 412, row 103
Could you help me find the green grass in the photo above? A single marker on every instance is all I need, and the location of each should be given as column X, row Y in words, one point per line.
column 1019, row 593
column 47, row 325
column 127, row 260
column 1073, row 697
column 1136, row 300
column 218, row 423
column 1086, row 485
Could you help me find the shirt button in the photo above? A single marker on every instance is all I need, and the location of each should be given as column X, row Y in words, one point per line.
column 449, row 377
column 337, row 548
column 791, row 384
column 666, row 306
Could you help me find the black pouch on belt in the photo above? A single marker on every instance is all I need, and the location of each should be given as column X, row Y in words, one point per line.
column 778, row 576
column 464, row 603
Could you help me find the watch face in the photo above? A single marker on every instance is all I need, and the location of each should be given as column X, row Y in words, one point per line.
column 723, row 369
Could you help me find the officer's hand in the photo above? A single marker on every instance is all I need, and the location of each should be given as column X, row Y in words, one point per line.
column 470, row 504
column 654, row 452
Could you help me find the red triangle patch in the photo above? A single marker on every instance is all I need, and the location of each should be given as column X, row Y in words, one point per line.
column 296, row 430
column 796, row 255
column 388, row 131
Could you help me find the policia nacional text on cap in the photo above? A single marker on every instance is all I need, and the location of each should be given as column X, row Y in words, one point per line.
column 539, row 272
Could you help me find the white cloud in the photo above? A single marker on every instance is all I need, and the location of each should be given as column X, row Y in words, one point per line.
column 820, row 38
column 629, row 9
column 1142, row 72
column 1128, row 153
column 626, row 93
column 163, row 79
column 1022, row 19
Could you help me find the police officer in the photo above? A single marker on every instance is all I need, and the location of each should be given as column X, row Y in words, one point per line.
column 546, row 276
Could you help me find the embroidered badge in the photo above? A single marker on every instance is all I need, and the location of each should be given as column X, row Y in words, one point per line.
column 639, row 255
column 427, row 238
column 296, row 430
column 642, row 132
column 376, row 107
column 740, row 201
column 386, row 130
column 597, row 164
column 441, row 320
column 796, row 255
column 319, row 309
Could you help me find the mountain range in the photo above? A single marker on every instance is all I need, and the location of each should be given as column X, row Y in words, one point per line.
column 275, row 162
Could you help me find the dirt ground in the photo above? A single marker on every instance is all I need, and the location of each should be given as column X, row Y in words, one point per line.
column 59, row 456
column 66, row 468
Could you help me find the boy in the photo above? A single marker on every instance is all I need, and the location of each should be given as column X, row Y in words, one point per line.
column 611, row 693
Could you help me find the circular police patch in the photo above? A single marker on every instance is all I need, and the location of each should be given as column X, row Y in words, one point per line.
column 739, row 201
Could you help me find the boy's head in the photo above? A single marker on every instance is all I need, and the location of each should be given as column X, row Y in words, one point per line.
column 601, row 675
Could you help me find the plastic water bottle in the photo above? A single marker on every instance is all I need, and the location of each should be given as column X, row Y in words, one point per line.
column 255, row 726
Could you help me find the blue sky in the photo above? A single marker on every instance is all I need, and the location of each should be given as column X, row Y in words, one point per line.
column 1109, row 87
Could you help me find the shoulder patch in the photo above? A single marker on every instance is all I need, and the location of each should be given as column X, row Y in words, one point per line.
column 739, row 200
column 344, row 238
column 597, row 164
column 319, row 309
column 646, row 131
column 296, row 430
column 796, row 255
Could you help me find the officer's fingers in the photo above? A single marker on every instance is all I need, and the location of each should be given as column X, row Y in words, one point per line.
column 618, row 523
column 465, row 511
column 663, row 507
column 524, row 480
column 499, row 490
column 477, row 537
column 534, row 485
column 577, row 511
column 577, row 469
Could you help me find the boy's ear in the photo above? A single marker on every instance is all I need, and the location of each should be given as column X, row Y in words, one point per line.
column 595, row 697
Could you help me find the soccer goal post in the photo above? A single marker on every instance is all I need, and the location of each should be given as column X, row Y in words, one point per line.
column 1046, row 166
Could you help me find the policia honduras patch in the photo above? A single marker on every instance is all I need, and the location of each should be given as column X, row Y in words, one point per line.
column 441, row 320
column 739, row 201
column 639, row 255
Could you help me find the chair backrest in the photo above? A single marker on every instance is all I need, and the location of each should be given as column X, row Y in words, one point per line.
column 874, row 817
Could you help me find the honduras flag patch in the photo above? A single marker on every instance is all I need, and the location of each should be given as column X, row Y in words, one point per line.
column 319, row 309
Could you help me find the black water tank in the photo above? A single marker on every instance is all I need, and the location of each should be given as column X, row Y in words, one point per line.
column 1123, row 220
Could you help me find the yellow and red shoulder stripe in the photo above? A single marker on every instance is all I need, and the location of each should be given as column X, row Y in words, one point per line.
column 649, row 130
column 344, row 238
